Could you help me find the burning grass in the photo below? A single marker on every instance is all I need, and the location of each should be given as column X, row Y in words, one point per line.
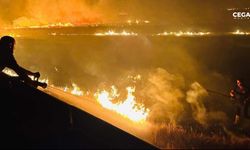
column 202, row 129
column 128, row 108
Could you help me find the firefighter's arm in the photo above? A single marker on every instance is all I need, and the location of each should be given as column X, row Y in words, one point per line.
column 36, row 74
column 19, row 70
column 22, row 72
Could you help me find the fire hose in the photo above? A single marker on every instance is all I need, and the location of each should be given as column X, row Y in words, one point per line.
column 218, row 93
column 244, row 101
column 38, row 83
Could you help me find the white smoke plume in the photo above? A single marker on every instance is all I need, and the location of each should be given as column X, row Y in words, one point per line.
column 164, row 89
column 193, row 97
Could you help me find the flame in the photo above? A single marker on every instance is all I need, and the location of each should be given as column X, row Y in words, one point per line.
column 128, row 108
column 76, row 90
column 52, row 25
column 180, row 33
column 44, row 80
column 138, row 21
column 113, row 33
column 137, row 77
column 65, row 89
column 238, row 32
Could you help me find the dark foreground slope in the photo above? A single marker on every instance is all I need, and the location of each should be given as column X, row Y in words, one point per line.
column 33, row 119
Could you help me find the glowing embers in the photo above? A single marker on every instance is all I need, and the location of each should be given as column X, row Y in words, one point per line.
column 180, row 33
column 113, row 33
column 138, row 21
column 128, row 108
column 238, row 32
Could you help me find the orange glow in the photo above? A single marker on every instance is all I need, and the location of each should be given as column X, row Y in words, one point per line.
column 128, row 108
column 52, row 25
column 47, row 14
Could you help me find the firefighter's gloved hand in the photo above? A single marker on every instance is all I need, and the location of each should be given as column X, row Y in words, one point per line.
column 41, row 84
column 29, row 82
column 232, row 93
column 36, row 75
column 44, row 85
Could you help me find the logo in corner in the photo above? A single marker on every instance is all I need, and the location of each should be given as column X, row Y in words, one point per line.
column 240, row 13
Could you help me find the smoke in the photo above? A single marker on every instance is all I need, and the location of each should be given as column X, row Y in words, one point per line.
column 173, row 14
column 24, row 13
column 43, row 12
column 1, row 22
column 165, row 91
column 194, row 96
column 172, row 101
column 25, row 22
column 168, row 91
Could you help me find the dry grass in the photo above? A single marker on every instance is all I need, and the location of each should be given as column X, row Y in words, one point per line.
column 172, row 136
